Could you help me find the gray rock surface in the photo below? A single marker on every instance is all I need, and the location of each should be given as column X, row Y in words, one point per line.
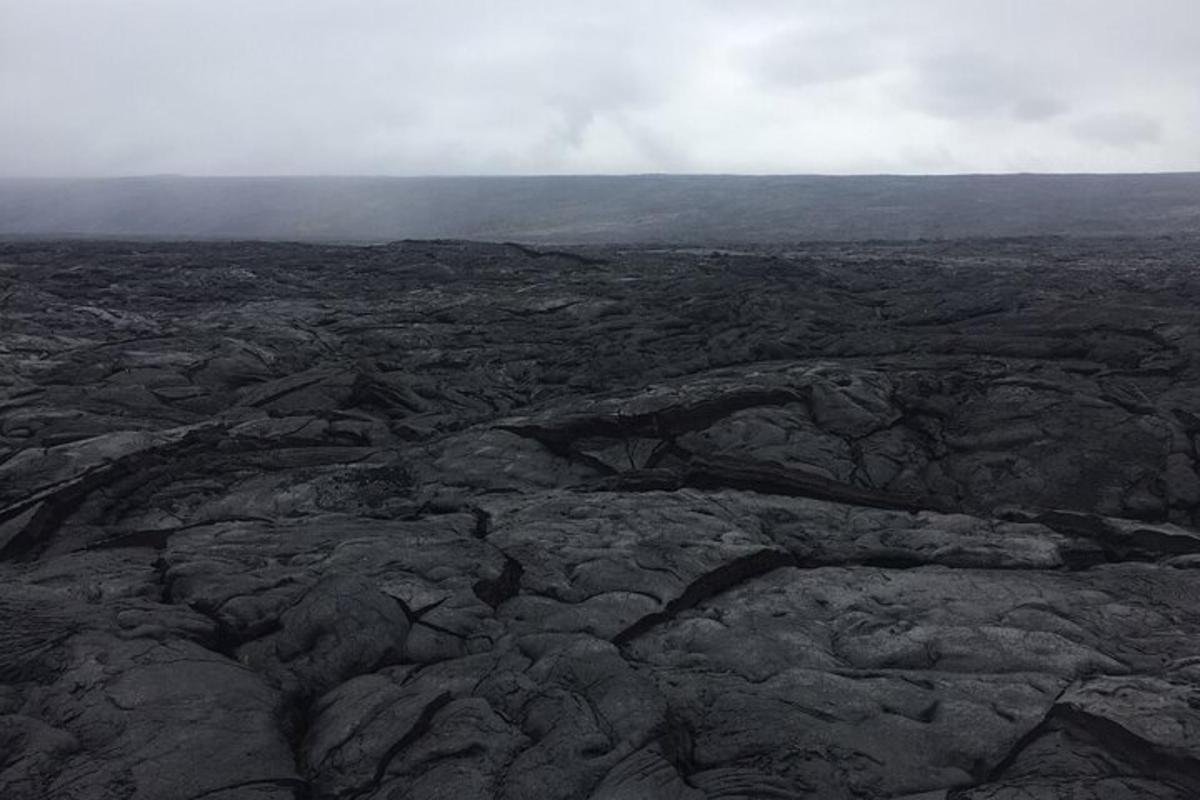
column 439, row 519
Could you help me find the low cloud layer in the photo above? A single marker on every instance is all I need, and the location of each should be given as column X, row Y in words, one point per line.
column 126, row 87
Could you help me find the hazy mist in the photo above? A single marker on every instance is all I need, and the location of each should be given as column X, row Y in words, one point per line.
column 129, row 87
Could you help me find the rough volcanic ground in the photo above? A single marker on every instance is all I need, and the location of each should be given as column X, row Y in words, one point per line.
column 447, row 520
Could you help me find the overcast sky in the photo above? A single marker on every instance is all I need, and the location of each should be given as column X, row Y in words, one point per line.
column 399, row 87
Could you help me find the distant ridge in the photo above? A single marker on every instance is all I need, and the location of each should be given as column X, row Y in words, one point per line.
column 696, row 209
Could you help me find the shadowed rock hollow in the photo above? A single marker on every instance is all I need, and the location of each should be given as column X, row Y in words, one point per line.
column 440, row 519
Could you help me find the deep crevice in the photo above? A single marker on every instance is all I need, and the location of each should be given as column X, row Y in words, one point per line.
column 503, row 587
column 419, row 728
column 708, row 585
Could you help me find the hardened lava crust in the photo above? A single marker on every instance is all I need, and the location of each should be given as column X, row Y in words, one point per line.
column 457, row 520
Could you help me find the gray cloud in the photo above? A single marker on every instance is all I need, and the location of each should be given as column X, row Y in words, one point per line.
column 1123, row 130
column 966, row 84
column 1033, row 107
column 802, row 58
column 534, row 86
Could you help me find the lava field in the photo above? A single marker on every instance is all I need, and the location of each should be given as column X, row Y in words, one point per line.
column 440, row 519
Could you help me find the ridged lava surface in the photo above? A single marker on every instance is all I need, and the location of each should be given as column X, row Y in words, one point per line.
column 442, row 519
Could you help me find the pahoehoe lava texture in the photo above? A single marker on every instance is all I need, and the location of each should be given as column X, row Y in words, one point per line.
column 443, row 519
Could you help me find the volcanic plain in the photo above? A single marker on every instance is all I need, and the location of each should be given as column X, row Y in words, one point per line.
column 441, row 519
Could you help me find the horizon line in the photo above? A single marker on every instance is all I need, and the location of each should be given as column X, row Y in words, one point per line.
column 586, row 175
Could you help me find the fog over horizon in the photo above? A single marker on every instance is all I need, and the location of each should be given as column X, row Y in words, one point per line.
column 467, row 87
